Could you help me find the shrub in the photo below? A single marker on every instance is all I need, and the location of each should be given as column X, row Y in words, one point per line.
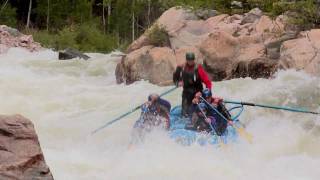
column 44, row 38
column 8, row 16
column 86, row 37
column 158, row 35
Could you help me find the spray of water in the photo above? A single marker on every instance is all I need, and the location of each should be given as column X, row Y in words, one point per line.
column 66, row 100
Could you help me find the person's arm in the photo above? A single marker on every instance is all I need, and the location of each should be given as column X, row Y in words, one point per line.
column 165, row 104
column 177, row 75
column 204, row 77
column 196, row 99
column 222, row 108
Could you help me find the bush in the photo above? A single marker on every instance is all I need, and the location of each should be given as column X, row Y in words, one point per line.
column 8, row 16
column 86, row 38
column 44, row 38
column 90, row 38
column 158, row 35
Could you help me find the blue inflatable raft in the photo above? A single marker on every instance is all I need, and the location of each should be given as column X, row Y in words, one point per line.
column 188, row 137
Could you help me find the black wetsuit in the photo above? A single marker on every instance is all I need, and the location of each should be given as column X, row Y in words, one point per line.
column 191, row 85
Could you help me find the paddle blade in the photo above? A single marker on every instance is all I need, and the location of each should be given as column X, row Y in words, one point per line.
column 243, row 133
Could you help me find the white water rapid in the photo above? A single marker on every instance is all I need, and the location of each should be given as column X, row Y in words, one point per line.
column 67, row 100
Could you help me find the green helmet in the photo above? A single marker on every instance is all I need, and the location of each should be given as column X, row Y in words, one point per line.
column 190, row 56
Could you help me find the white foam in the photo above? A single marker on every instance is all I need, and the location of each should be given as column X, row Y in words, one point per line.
column 67, row 100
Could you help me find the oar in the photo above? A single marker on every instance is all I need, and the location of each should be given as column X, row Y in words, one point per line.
column 273, row 107
column 129, row 112
column 240, row 130
column 212, row 128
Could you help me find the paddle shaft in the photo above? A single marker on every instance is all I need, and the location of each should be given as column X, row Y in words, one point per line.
column 272, row 107
column 131, row 111
column 212, row 128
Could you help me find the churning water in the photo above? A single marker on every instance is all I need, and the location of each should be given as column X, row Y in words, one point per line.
column 67, row 100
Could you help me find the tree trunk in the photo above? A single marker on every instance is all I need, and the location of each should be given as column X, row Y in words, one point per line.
column 149, row 12
column 48, row 15
column 103, row 17
column 109, row 14
column 4, row 5
column 29, row 13
column 133, row 22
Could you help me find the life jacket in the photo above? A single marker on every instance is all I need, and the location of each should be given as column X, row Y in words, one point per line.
column 191, row 80
column 155, row 114
column 220, row 123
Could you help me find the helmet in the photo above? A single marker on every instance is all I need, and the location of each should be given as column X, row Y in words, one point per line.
column 206, row 93
column 190, row 56
column 201, row 107
column 153, row 97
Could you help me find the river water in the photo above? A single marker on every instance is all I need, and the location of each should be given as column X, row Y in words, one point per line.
column 67, row 100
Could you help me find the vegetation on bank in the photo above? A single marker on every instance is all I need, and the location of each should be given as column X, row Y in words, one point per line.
column 104, row 25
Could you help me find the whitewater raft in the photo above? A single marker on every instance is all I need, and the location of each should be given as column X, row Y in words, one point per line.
column 188, row 137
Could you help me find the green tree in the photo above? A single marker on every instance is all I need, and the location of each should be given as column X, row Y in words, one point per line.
column 8, row 15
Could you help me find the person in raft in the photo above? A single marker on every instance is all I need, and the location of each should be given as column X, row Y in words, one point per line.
column 190, row 76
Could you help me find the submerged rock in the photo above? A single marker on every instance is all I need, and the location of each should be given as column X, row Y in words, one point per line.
column 72, row 53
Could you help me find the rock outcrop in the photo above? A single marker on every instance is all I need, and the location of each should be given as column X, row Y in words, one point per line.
column 70, row 53
column 10, row 37
column 234, row 46
column 302, row 53
column 20, row 153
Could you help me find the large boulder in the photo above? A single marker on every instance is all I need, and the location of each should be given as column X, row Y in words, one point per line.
column 302, row 53
column 256, row 68
column 175, row 18
column 140, row 42
column 229, row 46
column 155, row 64
column 21, row 156
column 219, row 50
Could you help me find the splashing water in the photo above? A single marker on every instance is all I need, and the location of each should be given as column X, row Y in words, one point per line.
column 67, row 100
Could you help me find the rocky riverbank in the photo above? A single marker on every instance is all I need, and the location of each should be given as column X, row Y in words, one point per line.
column 229, row 46
column 10, row 37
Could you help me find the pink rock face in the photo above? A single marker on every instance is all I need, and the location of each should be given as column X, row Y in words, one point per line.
column 155, row 64
column 10, row 37
column 175, row 18
column 20, row 152
column 229, row 46
column 302, row 53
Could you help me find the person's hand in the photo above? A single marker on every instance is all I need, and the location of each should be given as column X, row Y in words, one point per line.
column 208, row 120
column 195, row 101
column 230, row 123
column 217, row 100
column 198, row 95
column 180, row 83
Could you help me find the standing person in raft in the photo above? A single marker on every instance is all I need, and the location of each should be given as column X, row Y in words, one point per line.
column 191, row 76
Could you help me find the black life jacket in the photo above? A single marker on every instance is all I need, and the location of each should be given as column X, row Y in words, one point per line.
column 221, row 124
column 191, row 80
